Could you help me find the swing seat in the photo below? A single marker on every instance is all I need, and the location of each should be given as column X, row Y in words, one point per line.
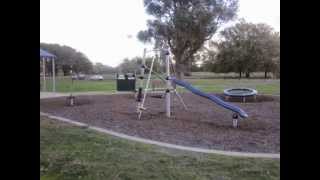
column 157, row 96
column 141, row 108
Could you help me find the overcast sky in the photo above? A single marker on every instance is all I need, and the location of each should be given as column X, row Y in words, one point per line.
column 101, row 29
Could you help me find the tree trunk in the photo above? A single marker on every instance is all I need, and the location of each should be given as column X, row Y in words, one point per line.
column 240, row 73
column 65, row 72
column 180, row 75
column 180, row 70
column 265, row 74
column 188, row 69
column 247, row 75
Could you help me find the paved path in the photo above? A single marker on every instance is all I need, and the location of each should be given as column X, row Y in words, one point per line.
column 147, row 141
column 44, row 95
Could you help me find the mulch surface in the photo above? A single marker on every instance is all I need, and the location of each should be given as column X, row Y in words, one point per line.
column 204, row 124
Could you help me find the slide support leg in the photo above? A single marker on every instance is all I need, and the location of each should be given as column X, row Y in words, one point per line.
column 235, row 120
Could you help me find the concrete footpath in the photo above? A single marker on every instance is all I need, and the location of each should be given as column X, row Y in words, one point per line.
column 44, row 95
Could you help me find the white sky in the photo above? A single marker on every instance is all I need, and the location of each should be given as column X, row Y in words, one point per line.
column 100, row 28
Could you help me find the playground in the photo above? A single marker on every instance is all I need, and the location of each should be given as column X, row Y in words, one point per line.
column 233, row 119
column 159, row 89
column 240, row 120
column 188, row 128
column 202, row 125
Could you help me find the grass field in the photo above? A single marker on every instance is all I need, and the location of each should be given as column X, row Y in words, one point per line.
column 68, row 152
column 211, row 75
column 271, row 86
column 203, row 81
column 65, row 85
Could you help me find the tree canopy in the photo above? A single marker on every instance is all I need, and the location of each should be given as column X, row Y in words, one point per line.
column 248, row 47
column 99, row 68
column 133, row 65
column 184, row 25
column 68, row 57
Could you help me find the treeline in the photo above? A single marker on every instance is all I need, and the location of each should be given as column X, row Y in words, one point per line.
column 67, row 58
column 127, row 65
column 99, row 68
column 133, row 65
column 244, row 48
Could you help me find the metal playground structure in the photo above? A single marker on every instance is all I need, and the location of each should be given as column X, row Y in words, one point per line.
column 171, row 82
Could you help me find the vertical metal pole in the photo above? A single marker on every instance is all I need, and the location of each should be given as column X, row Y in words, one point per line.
column 44, row 73
column 53, row 75
column 142, row 69
column 71, row 73
column 168, row 102
column 141, row 78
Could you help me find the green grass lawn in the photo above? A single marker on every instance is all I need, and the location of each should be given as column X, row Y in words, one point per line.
column 65, row 85
column 69, row 152
column 270, row 86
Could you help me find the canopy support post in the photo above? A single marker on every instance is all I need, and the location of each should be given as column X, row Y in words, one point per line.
column 44, row 73
column 53, row 76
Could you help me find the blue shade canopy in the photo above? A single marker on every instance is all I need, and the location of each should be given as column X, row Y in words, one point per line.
column 45, row 54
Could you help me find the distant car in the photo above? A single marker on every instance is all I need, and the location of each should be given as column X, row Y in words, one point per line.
column 96, row 77
column 78, row 77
